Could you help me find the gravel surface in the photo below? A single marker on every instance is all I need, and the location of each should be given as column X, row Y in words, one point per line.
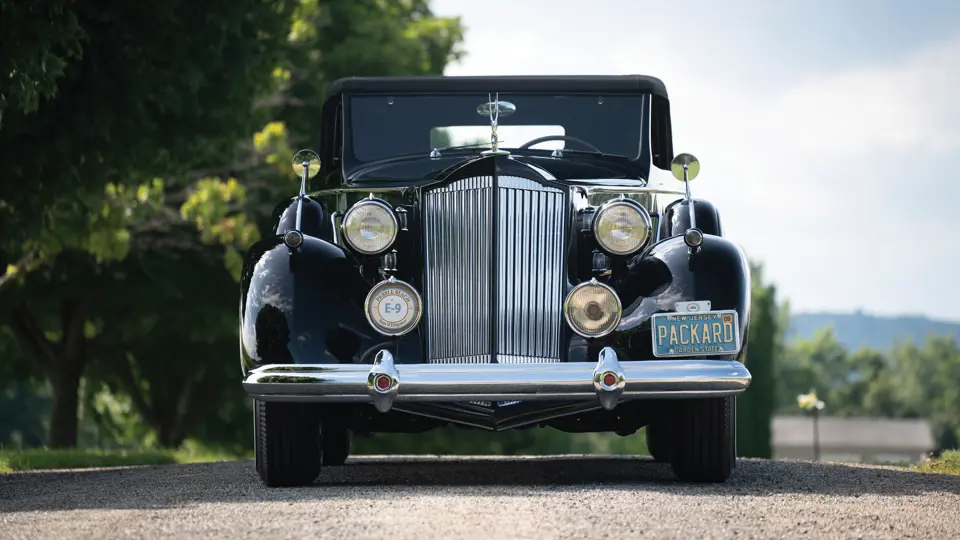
column 489, row 498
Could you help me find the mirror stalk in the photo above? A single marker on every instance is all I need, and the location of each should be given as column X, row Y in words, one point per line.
column 306, row 163
column 303, row 193
column 686, row 184
column 685, row 167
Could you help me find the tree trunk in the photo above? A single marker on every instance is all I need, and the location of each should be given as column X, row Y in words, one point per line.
column 61, row 361
column 169, row 436
column 63, row 416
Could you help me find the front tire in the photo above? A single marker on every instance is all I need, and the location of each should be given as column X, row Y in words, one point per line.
column 658, row 441
column 336, row 443
column 704, row 439
column 287, row 443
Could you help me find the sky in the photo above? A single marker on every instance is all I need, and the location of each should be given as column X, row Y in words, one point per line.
column 828, row 132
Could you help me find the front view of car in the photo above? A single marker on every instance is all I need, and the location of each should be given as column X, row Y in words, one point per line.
column 493, row 252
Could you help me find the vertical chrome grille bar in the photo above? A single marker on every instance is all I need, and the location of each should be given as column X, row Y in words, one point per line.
column 460, row 242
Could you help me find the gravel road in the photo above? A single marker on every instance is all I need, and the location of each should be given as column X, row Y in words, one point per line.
column 489, row 498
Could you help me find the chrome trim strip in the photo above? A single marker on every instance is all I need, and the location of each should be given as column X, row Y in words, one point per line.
column 616, row 187
column 598, row 185
column 573, row 381
column 515, row 418
column 335, row 227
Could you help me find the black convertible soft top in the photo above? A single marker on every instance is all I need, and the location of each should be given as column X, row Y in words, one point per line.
column 661, row 136
column 608, row 84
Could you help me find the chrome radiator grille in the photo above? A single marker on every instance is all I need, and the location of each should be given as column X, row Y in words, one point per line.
column 466, row 230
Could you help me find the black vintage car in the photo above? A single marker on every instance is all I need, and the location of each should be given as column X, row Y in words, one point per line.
column 494, row 253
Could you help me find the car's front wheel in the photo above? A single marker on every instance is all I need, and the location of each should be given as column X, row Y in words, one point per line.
column 287, row 443
column 336, row 443
column 658, row 440
column 703, row 441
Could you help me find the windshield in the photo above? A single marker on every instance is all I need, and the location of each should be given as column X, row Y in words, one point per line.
column 382, row 127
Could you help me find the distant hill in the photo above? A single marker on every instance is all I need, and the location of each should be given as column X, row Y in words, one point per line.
column 879, row 332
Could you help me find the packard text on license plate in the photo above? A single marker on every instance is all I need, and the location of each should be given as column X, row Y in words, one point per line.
column 695, row 334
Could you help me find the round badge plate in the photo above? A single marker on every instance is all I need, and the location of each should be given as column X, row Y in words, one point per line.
column 393, row 307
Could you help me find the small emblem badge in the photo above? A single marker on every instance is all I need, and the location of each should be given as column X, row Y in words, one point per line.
column 693, row 307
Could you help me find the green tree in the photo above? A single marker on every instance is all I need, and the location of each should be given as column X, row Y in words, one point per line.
column 38, row 39
column 756, row 406
column 229, row 208
column 928, row 377
column 176, row 359
column 144, row 90
column 820, row 363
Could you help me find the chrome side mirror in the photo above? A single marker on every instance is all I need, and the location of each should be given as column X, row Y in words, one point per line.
column 306, row 161
column 686, row 167
column 306, row 164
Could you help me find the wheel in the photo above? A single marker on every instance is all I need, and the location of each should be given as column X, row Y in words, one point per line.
column 287, row 443
column 336, row 444
column 704, row 440
column 658, row 440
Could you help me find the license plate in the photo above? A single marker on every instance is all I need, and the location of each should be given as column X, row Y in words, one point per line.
column 695, row 334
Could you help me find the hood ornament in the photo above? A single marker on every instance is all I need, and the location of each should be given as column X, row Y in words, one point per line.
column 494, row 109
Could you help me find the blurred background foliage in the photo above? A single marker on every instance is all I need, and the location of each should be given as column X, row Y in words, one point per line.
column 144, row 147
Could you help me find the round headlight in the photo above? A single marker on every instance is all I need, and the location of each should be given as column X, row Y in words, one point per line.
column 622, row 227
column 592, row 309
column 393, row 307
column 370, row 226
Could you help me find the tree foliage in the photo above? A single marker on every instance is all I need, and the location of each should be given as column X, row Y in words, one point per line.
column 143, row 165
column 913, row 380
column 139, row 91
column 135, row 91
column 38, row 40
column 755, row 407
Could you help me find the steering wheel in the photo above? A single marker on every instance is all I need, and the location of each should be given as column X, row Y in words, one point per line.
column 567, row 138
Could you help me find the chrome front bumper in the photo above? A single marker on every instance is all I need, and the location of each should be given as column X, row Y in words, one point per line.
column 609, row 380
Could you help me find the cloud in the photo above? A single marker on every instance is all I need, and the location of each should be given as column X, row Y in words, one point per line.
column 836, row 174
column 841, row 183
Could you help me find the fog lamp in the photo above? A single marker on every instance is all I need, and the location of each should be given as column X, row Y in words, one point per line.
column 592, row 309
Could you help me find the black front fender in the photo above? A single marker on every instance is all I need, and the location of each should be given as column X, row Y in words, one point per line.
column 667, row 273
column 306, row 306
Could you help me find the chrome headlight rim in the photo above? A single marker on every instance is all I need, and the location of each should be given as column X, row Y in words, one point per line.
column 393, row 221
column 634, row 205
column 409, row 289
column 613, row 293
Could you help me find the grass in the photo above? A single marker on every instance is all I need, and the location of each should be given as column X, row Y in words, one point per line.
column 947, row 463
column 42, row 458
